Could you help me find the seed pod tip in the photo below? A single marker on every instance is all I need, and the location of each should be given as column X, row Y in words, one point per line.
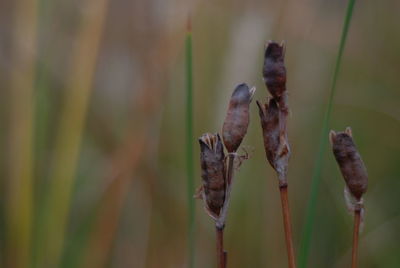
column 332, row 135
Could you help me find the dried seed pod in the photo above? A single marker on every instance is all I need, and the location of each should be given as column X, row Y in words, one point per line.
column 350, row 162
column 237, row 118
column 275, row 141
column 212, row 161
column 274, row 71
column 269, row 115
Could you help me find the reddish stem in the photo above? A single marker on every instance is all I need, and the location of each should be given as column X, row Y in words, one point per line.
column 287, row 225
column 357, row 217
column 221, row 254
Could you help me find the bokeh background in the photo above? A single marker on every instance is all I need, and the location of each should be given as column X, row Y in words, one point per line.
column 92, row 137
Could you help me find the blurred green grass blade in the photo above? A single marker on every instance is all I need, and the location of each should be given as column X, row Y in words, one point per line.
column 311, row 207
column 19, row 205
column 70, row 131
column 43, row 116
column 189, row 145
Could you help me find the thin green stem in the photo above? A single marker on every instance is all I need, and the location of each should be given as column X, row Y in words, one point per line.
column 311, row 207
column 189, row 147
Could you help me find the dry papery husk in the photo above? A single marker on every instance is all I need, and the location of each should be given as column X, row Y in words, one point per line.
column 213, row 173
column 276, row 145
column 215, row 190
column 353, row 205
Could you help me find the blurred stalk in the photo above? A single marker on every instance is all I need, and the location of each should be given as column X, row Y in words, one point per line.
column 108, row 215
column 43, row 107
column 312, row 203
column 189, row 144
column 278, row 26
column 70, row 130
column 20, row 191
column 139, row 139
column 42, row 85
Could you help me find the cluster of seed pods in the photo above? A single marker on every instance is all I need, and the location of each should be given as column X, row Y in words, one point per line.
column 274, row 112
column 216, row 168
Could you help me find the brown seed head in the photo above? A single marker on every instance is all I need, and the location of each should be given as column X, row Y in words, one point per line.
column 274, row 71
column 350, row 163
column 275, row 142
column 237, row 118
column 269, row 115
column 213, row 173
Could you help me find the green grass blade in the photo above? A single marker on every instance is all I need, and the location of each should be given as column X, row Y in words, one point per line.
column 311, row 207
column 19, row 192
column 189, row 146
column 70, row 133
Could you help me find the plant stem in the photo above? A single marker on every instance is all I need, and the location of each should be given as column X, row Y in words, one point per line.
column 357, row 217
column 221, row 254
column 287, row 225
column 220, row 223
column 189, row 145
column 229, row 175
column 231, row 157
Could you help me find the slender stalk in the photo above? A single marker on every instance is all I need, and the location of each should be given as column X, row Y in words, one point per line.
column 287, row 225
column 221, row 254
column 312, row 203
column 230, row 168
column 189, row 145
column 354, row 254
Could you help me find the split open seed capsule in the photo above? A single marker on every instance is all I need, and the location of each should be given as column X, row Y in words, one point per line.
column 212, row 159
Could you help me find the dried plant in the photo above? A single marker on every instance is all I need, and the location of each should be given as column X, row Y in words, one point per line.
column 212, row 159
column 276, row 146
column 273, row 117
column 274, row 71
column 217, row 170
column 355, row 175
column 237, row 118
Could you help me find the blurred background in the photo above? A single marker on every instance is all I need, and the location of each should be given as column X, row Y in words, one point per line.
column 92, row 112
